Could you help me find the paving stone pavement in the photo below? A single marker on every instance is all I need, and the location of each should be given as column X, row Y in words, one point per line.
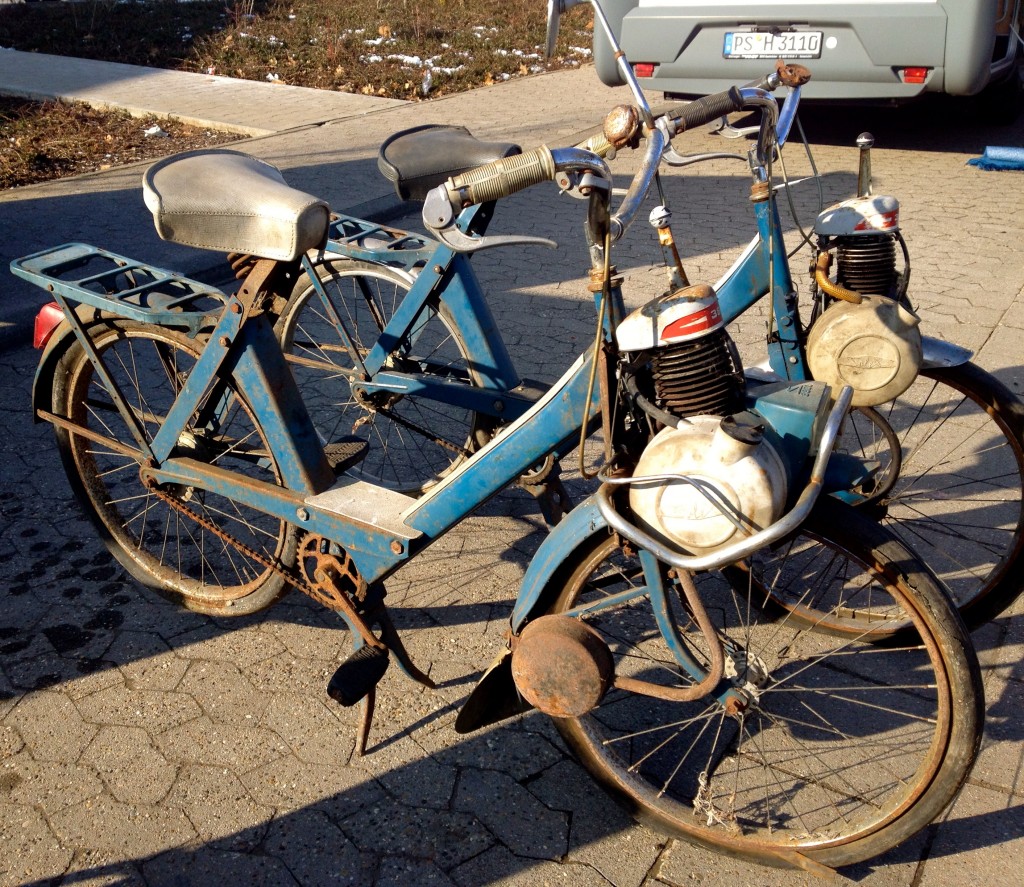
column 141, row 744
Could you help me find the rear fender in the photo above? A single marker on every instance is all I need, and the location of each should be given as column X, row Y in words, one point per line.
column 60, row 340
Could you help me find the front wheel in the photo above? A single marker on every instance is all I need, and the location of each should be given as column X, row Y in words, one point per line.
column 949, row 481
column 832, row 748
column 206, row 551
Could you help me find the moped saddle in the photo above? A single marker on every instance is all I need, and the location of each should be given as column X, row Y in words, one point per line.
column 423, row 157
column 228, row 201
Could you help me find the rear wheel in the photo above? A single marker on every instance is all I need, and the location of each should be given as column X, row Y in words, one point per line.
column 152, row 532
column 414, row 440
column 834, row 748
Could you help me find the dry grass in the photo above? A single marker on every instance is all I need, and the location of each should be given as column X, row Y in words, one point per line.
column 383, row 47
column 43, row 141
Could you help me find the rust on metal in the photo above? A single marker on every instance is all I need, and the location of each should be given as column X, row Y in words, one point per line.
column 760, row 192
column 81, row 431
column 716, row 655
column 333, row 578
column 735, row 706
column 792, row 74
column 241, row 264
column 622, row 126
column 561, row 666
column 596, row 283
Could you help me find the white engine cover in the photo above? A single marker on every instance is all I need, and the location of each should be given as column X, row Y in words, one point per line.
column 748, row 477
column 879, row 214
column 874, row 347
column 688, row 313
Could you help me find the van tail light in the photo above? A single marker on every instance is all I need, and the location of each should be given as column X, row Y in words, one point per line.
column 913, row 75
column 47, row 320
column 644, row 69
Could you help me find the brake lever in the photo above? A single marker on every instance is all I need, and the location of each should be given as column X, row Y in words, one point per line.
column 674, row 158
column 452, row 236
column 439, row 218
column 725, row 129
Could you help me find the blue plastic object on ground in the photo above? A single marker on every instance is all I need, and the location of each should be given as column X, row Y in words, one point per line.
column 999, row 158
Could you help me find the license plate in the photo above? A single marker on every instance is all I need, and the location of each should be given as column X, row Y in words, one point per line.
column 765, row 45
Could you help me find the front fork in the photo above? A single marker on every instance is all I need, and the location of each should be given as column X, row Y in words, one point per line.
column 707, row 678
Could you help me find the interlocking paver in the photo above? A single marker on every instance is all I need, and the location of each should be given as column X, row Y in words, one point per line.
column 50, row 786
column 527, row 827
column 201, row 741
column 125, row 831
column 51, row 726
column 131, row 768
column 150, row 709
column 30, row 850
column 220, row 808
column 317, row 852
column 198, row 864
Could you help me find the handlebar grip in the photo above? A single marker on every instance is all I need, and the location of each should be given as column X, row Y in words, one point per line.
column 501, row 178
column 708, row 109
column 599, row 144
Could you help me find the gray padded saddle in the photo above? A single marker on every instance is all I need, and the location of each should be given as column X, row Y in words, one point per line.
column 231, row 202
column 418, row 159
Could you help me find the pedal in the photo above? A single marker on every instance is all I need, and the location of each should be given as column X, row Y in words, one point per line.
column 358, row 675
column 345, row 453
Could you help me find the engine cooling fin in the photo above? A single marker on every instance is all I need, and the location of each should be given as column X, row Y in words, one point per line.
column 867, row 265
column 700, row 377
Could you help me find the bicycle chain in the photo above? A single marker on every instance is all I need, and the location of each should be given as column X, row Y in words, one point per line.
column 295, row 581
column 412, row 426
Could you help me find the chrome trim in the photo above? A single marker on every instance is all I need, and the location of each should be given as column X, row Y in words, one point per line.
column 744, row 547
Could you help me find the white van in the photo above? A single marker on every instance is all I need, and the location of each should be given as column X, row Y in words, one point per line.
column 875, row 50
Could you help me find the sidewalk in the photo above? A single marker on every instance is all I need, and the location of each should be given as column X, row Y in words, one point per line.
column 144, row 745
column 243, row 106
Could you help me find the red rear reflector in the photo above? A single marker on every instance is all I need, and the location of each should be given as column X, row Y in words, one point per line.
column 47, row 320
column 644, row 69
column 913, row 75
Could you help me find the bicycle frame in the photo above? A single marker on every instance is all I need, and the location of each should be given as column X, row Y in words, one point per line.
column 342, row 511
column 380, row 528
column 448, row 276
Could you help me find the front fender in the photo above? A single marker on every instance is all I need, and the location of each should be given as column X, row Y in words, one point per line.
column 939, row 353
column 495, row 696
column 537, row 591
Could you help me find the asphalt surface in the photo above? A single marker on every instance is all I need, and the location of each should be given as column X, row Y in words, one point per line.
column 141, row 744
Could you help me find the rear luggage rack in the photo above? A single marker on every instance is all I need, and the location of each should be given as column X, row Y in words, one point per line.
column 360, row 239
column 118, row 285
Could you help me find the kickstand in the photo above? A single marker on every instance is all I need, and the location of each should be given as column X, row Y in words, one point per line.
column 365, row 720
column 390, row 636
column 552, row 498
column 356, row 678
